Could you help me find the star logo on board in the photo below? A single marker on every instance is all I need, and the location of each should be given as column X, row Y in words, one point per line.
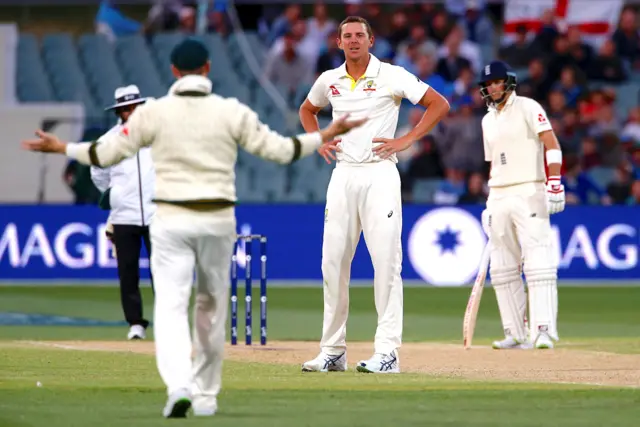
column 448, row 240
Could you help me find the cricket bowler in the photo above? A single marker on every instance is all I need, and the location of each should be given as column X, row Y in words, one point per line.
column 516, row 134
column 194, row 137
column 364, row 190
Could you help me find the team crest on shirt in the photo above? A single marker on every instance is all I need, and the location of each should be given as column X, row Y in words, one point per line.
column 370, row 86
column 541, row 118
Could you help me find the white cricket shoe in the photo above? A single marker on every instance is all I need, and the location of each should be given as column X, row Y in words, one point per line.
column 381, row 364
column 177, row 405
column 510, row 343
column 326, row 363
column 136, row 332
column 204, row 407
column 544, row 341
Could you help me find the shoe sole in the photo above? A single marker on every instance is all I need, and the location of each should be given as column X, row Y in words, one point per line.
column 364, row 370
column 180, row 408
column 544, row 347
column 321, row 370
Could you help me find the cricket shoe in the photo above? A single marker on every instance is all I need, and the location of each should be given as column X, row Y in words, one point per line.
column 510, row 343
column 204, row 410
column 326, row 363
column 544, row 341
column 178, row 404
column 136, row 332
column 381, row 364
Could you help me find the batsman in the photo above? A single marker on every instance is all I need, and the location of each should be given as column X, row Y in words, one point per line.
column 517, row 136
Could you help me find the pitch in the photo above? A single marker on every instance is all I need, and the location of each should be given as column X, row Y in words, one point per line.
column 91, row 375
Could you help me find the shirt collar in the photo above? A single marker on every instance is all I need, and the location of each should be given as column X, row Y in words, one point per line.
column 191, row 83
column 510, row 101
column 373, row 69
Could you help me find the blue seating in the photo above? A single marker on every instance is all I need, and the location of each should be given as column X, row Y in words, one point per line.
column 424, row 190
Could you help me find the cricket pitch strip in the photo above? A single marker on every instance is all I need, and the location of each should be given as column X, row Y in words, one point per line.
column 562, row 366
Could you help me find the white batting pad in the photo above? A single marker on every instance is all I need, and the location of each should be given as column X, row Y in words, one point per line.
column 543, row 308
column 512, row 303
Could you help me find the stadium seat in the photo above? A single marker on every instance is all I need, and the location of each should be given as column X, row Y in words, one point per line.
column 138, row 67
column 602, row 176
column 32, row 80
column 100, row 67
column 424, row 190
column 271, row 179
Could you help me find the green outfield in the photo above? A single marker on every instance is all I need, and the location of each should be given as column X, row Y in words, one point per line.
column 591, row 379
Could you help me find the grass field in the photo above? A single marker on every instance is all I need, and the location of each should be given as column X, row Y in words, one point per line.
column 591, row 379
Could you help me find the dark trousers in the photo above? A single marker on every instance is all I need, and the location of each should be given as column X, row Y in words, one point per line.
column 128, row 242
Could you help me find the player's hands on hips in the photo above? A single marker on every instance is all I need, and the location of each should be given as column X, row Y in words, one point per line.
column 389, row 146
column 555, row 195
column 327, row 150
column 44, row 143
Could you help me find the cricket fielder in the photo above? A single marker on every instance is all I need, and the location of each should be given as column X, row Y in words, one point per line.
column 194, row 137
column 364, row 191
column 516, row 133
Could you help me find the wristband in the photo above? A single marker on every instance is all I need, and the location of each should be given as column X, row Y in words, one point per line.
column 554, row 156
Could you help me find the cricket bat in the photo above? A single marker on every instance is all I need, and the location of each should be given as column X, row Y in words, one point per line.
column 470, row 315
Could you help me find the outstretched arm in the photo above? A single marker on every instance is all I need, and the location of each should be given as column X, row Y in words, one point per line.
column 137, row 133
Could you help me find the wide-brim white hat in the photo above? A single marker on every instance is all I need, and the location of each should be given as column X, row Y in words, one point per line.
column 127, row 95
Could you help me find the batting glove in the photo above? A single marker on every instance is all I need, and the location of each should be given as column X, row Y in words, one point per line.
column 555, row 195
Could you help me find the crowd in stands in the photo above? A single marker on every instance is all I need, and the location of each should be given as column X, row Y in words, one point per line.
column 445, row 46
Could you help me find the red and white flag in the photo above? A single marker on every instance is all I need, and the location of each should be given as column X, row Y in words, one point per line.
column 596, row 19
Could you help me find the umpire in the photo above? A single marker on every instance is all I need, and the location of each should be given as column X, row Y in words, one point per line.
column 128, row 189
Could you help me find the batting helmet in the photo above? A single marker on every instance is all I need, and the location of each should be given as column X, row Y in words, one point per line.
column 497, row 70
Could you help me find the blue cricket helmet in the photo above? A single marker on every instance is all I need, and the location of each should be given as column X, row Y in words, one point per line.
column 497, row 70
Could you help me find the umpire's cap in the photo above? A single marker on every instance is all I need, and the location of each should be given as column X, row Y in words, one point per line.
column 497, row 70
column 189, row 55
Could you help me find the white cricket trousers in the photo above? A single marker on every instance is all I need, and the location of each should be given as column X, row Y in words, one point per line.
column 363, row 198
column 186, row 241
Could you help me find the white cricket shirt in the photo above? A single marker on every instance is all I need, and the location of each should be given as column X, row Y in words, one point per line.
column 512, row 144
column 376, row 95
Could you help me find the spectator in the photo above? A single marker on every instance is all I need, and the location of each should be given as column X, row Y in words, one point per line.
column 409, row 59
column 465, row 48
column 377, row 19
column 581, row 52
column 545, row 39
column 449, row 66
column 571, row 132
column 535, row 86
column 288, row 67
column 284, row 23
column 607, row 66
column 333, row 57
column 440, row 27
column 568, row 85
column 219, row 23
column 620, row 189
column 605, row 122
column 612, row 152
column 451, row 188
column 589, row 153
column 465, row 83
column 457, row 8
column 579, row 187
column 518, row 54
column 78, row 178
column 187, row 20
column 164, row 15
column 320, row 26
column 634, row 154
column 425, row 66
column 634, row 197
column 305, row 45
column 426, row 164
column 632, row 129
column 556, row 104
column 560, row 58
column 475, row 193
column 418, row 36
column 399, row 29
column 626, row 38
column 458, row 139
column 478, row 28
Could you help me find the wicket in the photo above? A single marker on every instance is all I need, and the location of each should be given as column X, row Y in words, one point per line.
column 248, row 299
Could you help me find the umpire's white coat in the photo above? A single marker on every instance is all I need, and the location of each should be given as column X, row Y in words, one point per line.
column 132, row 183
column 194, row 137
